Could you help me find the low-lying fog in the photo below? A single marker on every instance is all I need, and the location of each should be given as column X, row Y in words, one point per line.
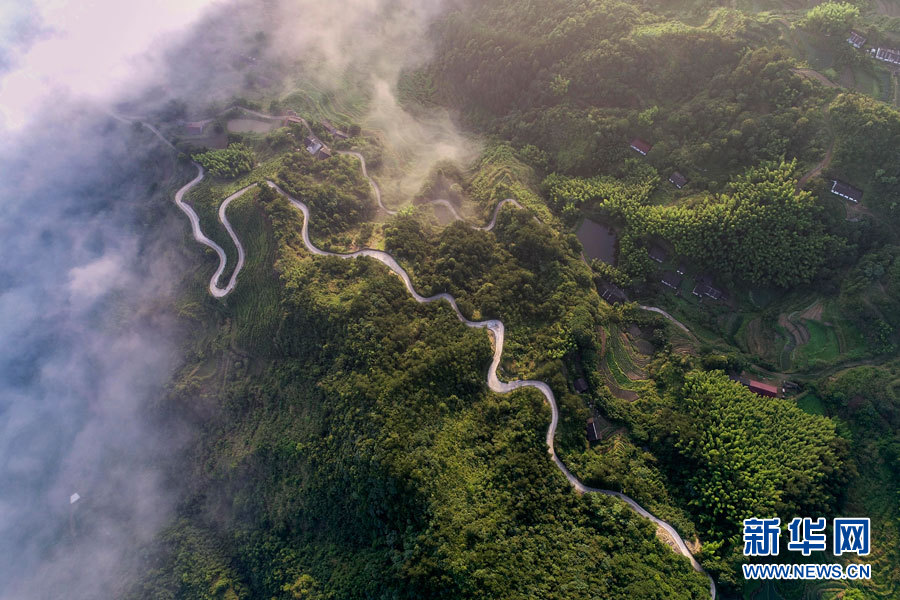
column 90, row 245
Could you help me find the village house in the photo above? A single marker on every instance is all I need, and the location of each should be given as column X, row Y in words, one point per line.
column 845, row 190
column 334, row 130
column 317, row 148
column 613, row 294
column 591, row 429
column 681, row 269
column 704, row 287
column 194, row 128
column 581, row 385
column 678, row 180
column 658, row 253
column 856, row 40
column 640, row 146
column 758, row 387
column 888, row 55
column 313, row 145
column 672, row 279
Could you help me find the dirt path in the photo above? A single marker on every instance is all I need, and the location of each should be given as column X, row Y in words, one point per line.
column 823, row 164
column 814, row 312
column 813, row 74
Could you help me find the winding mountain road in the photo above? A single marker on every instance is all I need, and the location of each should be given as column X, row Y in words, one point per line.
column 494, row 326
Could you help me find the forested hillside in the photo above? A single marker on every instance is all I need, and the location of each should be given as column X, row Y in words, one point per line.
column 369, row 460
column 350, row 446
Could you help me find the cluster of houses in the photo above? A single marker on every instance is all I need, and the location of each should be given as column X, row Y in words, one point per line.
column 838, row 187
column 703, row 287
column 888, row 55
column 313, row 144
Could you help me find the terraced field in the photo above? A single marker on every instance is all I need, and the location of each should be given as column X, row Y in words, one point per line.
column 623, row 365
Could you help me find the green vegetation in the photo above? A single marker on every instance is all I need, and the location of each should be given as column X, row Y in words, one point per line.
column 760, row 229
column 741, row 455
column 739, row 464
column 229, row 163
column 335, row 191
column 520, row 272
column 353, row 450
column 831, row 18
column 366, row 458
column 823, row 346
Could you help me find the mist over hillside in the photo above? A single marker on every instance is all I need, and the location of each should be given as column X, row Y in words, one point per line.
column 86, row 340
column 92, row 249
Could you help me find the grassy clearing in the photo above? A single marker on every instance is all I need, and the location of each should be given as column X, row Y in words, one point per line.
column 822, row 349
column 811, row 404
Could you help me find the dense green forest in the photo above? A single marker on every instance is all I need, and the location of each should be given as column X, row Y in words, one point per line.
column 230, row 162
column 369, row 460
column 350, row 447
column 334, row 189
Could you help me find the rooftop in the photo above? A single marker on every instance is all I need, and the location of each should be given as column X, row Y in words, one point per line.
column 888, row 55
column 640, row 145
column 334, row 130
column 763, row 389
column 845, row 190
column 856, row 40
column 704, row 287
column 658, row 253
column 678, row 180
column 672, row 279
column 613, row 294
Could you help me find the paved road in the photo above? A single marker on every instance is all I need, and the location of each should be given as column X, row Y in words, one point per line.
column 494, row 326
column 199, row 236
column 660, row 311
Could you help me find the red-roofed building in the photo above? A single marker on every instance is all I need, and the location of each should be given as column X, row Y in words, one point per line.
column 757, row 387
column 194, row 128
column 763, row 389
column 640, row 146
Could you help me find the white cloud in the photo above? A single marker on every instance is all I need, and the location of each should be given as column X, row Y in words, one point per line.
column 82, row 48
column 90, row 281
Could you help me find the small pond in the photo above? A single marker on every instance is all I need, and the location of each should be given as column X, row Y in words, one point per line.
column 599, row 241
